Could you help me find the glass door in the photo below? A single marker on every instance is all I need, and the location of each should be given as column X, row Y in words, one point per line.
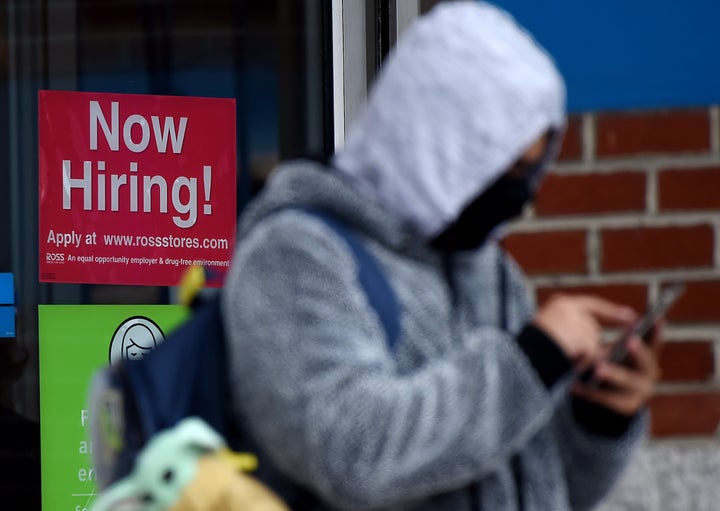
column 275, row 58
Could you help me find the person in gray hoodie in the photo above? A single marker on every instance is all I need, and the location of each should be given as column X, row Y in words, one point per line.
column 477, row 405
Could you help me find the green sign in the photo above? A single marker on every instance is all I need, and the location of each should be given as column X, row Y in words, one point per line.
column 75, row 341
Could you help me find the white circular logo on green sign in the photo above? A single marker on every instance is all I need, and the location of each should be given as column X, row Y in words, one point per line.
column 134, row 338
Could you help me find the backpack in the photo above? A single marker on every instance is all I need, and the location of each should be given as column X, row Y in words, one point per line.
column 133, row 401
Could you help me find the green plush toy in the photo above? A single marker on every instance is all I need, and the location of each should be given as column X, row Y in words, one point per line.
column 188, row 468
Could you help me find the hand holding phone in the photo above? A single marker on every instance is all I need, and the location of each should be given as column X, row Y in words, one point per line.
column 641, row 328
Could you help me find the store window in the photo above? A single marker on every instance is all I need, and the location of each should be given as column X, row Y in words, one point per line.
column 274, row 58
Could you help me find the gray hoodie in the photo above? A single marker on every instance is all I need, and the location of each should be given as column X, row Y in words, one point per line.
column 456, row 416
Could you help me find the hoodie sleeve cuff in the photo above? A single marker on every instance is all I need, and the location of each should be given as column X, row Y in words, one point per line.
column 599, row 420
column 544, row 354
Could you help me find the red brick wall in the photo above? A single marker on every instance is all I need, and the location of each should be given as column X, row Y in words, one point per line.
column 634, row 203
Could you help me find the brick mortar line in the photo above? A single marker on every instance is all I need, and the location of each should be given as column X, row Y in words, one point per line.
column 651, row 192
column 532, row 290
column 690, row 333
column 682, row 334
column 594, row 251
column 653, row 290
column 528, row 213
column 587, row 138
column 716, row 233
column 636, row 277
column 685, row 441
column 639, row 163
column 675, row 389
column 716, row 352
column 627, row 220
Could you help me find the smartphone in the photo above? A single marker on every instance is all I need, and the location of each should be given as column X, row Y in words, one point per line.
column 641, row 328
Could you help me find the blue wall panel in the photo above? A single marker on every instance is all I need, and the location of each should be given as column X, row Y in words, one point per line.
column 619, row 54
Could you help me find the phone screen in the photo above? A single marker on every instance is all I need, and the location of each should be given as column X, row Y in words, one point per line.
column 641, row 328
column 667, row 298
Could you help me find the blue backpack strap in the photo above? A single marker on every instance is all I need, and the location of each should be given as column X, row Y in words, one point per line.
column 373, row 280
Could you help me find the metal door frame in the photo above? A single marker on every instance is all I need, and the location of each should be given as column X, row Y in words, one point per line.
column 354, row 36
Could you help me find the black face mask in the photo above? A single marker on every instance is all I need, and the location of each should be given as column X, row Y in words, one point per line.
column 503, row 200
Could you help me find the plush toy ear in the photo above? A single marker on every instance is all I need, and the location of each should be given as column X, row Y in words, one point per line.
column 118, row 497
column 194, row 432
column 177, row 447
